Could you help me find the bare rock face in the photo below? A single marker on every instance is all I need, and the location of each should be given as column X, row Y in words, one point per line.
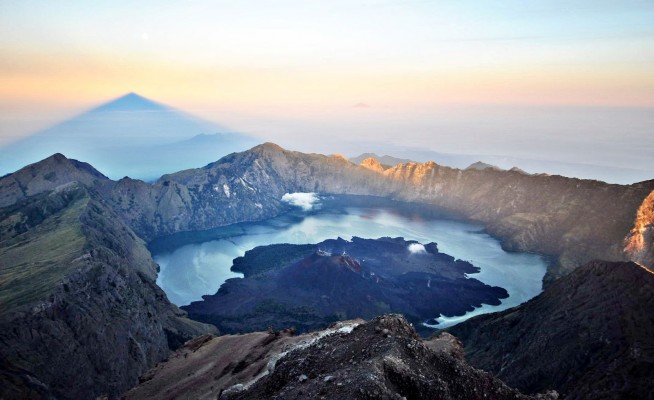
column 372, row 164
column 444, row 342
column 381, row 359
column 639, row 244
column 240, row 187
column 589, row 335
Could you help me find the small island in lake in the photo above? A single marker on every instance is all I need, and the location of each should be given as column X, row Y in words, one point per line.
column 310, row 286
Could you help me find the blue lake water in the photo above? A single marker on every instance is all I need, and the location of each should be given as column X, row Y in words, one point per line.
column 193, row 270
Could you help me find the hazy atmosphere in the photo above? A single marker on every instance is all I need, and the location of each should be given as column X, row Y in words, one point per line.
column 569, row 82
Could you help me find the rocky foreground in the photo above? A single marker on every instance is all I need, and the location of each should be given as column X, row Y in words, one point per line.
column 380, row 359
column 590, row 335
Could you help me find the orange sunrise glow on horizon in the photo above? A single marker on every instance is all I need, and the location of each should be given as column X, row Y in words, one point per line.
column 281, row 69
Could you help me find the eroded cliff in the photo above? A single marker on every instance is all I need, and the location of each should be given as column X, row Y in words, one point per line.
column 639, row 244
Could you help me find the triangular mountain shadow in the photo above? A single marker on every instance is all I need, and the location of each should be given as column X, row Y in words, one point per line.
column 131, row 102
column 129, row 136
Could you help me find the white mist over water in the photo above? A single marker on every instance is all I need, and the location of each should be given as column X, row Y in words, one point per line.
column 193, row 270
column 306, row 201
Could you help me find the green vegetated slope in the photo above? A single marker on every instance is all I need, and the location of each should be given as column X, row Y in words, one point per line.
column 35, row 260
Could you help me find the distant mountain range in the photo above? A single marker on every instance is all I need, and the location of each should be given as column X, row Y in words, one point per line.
column 386, row 160
column 402, row 155
column 129, row 136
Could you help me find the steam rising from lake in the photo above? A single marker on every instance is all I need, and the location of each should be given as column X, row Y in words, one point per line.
column 306, row 201
column 417, row 248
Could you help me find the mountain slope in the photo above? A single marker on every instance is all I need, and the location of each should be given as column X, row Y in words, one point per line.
column 384, row 160
column 246, row 186
column 81, row 315
column 588, row 335
column 482, row 166
column 571, row 220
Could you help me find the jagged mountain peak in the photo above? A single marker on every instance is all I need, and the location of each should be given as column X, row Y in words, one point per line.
column 269, row 146
column 380, row 359
column 479, row 165
column 384, row 160
column 45, row 175
column 372, row 164
column 59, row 161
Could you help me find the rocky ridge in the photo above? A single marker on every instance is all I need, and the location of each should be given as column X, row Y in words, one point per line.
column 588, row 336
column 372, row 164
column 46, row 175
column 562, row 218
column 81, row 313
column 380, row 359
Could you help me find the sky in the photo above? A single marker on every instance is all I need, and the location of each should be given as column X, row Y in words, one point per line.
column 539, row 78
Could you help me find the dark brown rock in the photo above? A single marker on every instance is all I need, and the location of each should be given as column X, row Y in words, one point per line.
column 381, row 359
column 590, row 335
